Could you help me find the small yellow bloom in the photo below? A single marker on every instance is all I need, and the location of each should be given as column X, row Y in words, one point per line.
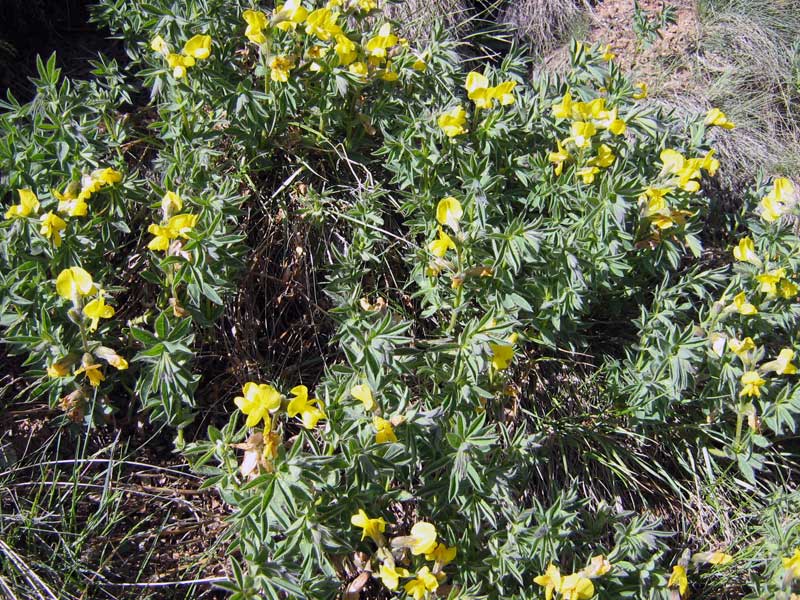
column 752, row 383
column 609, row 120
column 672, row 161
column 442, row 554
column 442, row 244
column 98, row 309
column 111, row 357
column 424, row 582
column 359, row 68
column 563, row 109
column 782, row 365
column 503, row 92
column 598, row 566
column 712, row 558
column 74, row 282
column 322, row 24
column 778, row 201
column 605, row 157
column 477, row 86
column 715, row 117
column 582, row 133
column 364, row 393
column 179, row 64
column 384, row 431
column 28, row 204
column 279, row 68
column 288, row 16
column 550, row 581
column 61, row 368
column 678, row 579
column 423, row 538
column 769, row 281
column 709, row 163
column 558, row 158
column 256, row 23
column 742, row 306
column 587, row 174
column 576, row 587
column 420, row 65
column 378, row 45
column 370, row 528
column 449, row 212
column 258, row 401
column 606, row 53
column 390, row 575
column 345, row 49
column 741, row 347
column 92, row 370
column 502, row 355
column 787, row 289
column 158, row 44
column 792, row 564
column 177, row 226
column 308, row 410
column 452, row 122
column 745, row 251
column 52, row 226
column 199, row 47
column 642, row 93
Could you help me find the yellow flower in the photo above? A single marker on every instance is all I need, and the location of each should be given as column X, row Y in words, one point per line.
column 449, row 212
column 558, row 158
column 563, row 109
column 322, row 24
column 607, row 54
column 158, row 44
column 582, row 133
column 179, row 63
column 442, row 244
column 503, row 92
column 769, row 281
column 740, row 347
column 388, row 75
column 199, row 47
column 787, row 289
column 672, row 161
column 309, row 410
column 576, row 587
column 712, row 558
column 742, row 306
column 678, row 579
column 423, row 538
column 111, row 357
column 715, row 117
column 502, row 355
column 259, row 399
column 358, row 68
column 752, row 383
column 364, row 393
column 107, row 176
column 256, row 22
column 370, row 528
column 709, row 163
column 171, row 203
column 74, row 282
column 279, row 68
column 177, row 226
column 587, row 174
column 289, row 15
column 28, row 204
column 52, row 226
column 598, row 566
column 424, row 582
column 367, row 5
column 390, row 575
column 792, row 564
column 61, row 367
column 384, row 430
column 642, row 93
column 419, row 65
column 782, row 365
column 605, row 157
column 93, row 372
column 778, row 201
column 745, row 251
column 98, row 309
column 550, row 581
column 345, row 49
column 452, row 122
column 378, row 45
column 609, row 120
column 442, row 554
column 477, row 86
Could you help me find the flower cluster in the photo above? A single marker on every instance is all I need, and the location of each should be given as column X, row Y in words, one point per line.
column 780, row 200
column 422, row 541
column 75, row 284
column 196, row 48
column 576, row 586
column 173, row 227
